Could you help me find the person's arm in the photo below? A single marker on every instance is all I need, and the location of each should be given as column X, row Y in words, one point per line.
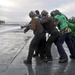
column 32, row 26
column 43, row 21
column 71, row 25
column 26, row 29
column 25, row 25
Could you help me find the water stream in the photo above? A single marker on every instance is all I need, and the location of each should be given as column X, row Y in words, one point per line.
column 4, row 29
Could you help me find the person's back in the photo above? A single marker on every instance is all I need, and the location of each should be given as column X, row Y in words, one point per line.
column 49, row 25
column 36, row 26
column 35, row 20
column 62, row 21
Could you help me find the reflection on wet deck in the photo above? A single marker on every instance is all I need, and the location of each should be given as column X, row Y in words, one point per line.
column 14, row 49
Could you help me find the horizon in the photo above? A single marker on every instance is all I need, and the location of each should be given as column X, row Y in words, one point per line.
column 18, row 10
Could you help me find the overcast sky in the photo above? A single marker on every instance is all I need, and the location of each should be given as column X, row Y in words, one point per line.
column 18, row 10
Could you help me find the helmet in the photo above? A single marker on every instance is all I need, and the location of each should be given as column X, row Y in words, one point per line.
column 57, row 12
column 72, row 19
column 52, row 13
column 37, row 11
column 32, row 14
column 44, row 13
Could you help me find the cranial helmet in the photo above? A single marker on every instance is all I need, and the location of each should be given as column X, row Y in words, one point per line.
column 32, row 14
column 44, row 13
column 57, row 12
column 52, row 13
column 37, row 12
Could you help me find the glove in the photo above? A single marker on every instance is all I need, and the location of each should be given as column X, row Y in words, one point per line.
column 22, row 27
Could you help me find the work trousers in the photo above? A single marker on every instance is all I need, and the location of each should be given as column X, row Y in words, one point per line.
column 52, row 38
column 65, row 38
column 73, row 40
column 34, row 44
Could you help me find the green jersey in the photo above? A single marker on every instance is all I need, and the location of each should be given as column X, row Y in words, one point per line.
column 62, row 21
column 72, row 26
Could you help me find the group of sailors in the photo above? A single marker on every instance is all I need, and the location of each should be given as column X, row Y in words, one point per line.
column 60, row 30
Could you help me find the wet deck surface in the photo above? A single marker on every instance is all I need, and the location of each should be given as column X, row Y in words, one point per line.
column 14, row 49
